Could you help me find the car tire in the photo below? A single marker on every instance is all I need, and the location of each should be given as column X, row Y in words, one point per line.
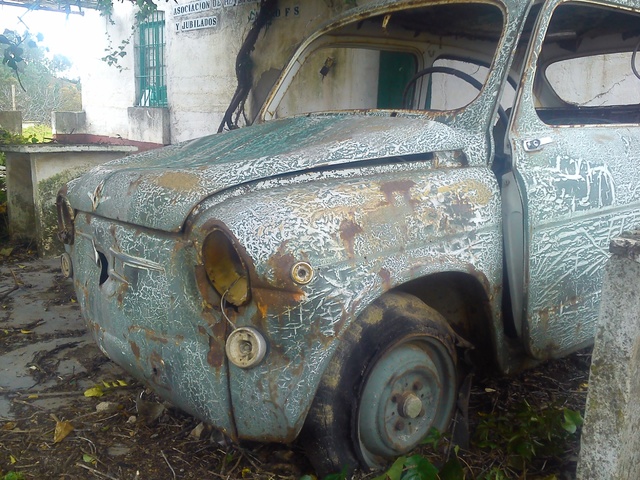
column 391, row 380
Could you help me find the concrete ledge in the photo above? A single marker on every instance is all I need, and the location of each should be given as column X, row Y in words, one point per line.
column 11, row 121
column 34, row 175
column 148, row 124
column 610, row 443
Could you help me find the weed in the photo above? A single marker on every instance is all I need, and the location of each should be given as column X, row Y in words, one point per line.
column 13, row 476
column 516, row 438
column 524, row 433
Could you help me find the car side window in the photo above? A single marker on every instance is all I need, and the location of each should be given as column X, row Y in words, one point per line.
column 586, row 67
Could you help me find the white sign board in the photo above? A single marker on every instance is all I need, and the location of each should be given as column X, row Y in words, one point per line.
column 197, row 23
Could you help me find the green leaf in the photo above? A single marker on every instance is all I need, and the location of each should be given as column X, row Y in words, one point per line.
column 452, row 470
column 342, row 475
column 4, row 40
column 13, row 476
column 572, row 420
column 433, row 438
column 394, row 472
column 419, row 468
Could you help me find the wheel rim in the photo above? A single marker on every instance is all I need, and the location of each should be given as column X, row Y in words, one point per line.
column 409, row 390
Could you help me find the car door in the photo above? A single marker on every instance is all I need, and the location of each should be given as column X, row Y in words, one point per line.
column 576, row 168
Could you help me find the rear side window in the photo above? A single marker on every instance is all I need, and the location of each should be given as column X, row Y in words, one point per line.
column 586, row 67
column 605, row 80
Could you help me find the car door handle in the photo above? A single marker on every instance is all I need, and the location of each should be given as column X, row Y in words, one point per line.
column 535, row 144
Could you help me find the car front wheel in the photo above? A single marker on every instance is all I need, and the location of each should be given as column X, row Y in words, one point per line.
column 392, row 379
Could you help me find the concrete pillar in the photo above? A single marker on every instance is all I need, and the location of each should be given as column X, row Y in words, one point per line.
column 11, row 121
column 68, row 122
column 610, row 443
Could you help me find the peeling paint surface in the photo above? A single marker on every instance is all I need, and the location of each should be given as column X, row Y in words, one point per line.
column 445, row 219
column 148, row 321
column 158, row 189
column 371, row 201
column 580, row 190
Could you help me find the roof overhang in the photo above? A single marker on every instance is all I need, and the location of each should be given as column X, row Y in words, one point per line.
column 69, row 7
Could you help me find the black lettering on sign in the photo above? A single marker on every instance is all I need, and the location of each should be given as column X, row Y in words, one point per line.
column 199, row 23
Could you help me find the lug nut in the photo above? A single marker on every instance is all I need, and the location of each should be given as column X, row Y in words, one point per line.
column 410, row 406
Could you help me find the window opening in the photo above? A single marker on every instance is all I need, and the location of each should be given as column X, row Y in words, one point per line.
column 585, row 69
column 151, row 74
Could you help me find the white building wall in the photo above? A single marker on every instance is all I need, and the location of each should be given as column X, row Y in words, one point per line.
column 107, row 92
column 201, row 77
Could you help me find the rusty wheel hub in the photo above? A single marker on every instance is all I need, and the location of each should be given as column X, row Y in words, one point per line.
column 409, row 390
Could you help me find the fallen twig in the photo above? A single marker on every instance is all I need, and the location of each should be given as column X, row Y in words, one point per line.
column 167, row 461
column 96, row 472
column 9, row 292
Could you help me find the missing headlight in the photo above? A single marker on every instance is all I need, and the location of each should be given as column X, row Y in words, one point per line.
column 225, row 269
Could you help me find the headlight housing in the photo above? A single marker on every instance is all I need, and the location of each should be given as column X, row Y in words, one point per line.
column 66, row 217
column 226, row 270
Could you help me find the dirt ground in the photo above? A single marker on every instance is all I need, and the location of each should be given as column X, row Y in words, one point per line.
column 49, row 429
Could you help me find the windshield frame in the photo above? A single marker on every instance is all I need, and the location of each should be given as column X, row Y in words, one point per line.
column 323, row 38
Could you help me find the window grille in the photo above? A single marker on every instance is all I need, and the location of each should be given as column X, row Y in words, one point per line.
column 151, row 71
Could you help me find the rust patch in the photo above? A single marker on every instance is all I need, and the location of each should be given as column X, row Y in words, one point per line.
column 155, row 338
column 209, row 295
column 135, row 349
column 178, row 181
column 385, row 275
column 403, row 187
column 547, row 314
column 150, row 334
column 216, row 355
column 157, row 370
column 134, row 185
column 348, row 231
column 122, row 290
column 280, row 292
column 275, row 300
column 281, row 262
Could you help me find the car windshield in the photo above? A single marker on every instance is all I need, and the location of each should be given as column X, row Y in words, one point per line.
column 434, row 57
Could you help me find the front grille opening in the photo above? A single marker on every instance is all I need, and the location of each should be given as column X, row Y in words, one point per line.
column 104, row 267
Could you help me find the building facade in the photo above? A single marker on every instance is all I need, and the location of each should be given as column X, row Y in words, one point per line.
column 169, row 77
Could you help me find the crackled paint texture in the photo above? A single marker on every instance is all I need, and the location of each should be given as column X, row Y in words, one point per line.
column 148, row 316
column 444, row 220
column 159, row 188
column 580, row 190
column 372, row 200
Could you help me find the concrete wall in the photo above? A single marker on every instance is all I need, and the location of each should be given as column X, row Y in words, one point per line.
column 11, row 121
column 107, row 91
column 68, row 122
column 201, row 76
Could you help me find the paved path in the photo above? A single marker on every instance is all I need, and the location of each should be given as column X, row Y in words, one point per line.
column 44, row 346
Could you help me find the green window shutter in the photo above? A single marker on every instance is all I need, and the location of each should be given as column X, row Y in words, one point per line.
column 151, row 71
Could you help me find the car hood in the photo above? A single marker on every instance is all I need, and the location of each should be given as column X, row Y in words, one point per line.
column 159, row 188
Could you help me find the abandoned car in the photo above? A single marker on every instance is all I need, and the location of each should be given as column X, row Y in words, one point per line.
column 427, row 179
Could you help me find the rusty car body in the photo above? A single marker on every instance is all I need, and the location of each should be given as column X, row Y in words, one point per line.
column 317, row 274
